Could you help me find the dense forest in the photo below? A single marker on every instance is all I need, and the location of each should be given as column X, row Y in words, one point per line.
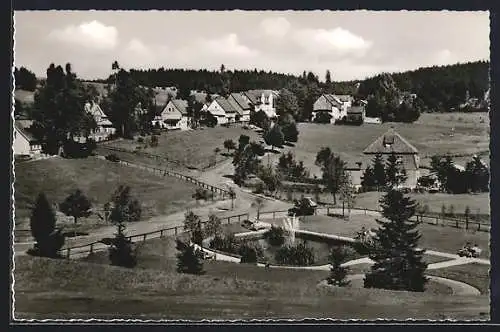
column 440, row 88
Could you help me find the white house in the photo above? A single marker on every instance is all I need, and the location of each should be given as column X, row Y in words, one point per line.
column 222, row 110
column 24, row 142
column 174, row 116
column 104, row 126
column 262, row 100
column 334, row 105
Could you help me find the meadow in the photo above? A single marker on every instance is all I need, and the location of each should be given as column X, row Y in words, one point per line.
column 98, row 179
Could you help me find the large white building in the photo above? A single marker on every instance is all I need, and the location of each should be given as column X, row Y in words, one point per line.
column 335, row 106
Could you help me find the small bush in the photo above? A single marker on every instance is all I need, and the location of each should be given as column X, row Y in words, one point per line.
column 249, row 253
column 229, row 243
column 275, row 236
column 297, row 255
column 189, row 260
column 154, row 141
column 201, row 193
column 338, row 274
column 140, row 139
column 259, row 188
column 112, row 157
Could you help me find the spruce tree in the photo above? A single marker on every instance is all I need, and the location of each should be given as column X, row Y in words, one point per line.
column 49, row 240
column 398, row 263
column 338, row 273
column 379, row 175
column 121, row 252
column 188, row 259
column 395, row 174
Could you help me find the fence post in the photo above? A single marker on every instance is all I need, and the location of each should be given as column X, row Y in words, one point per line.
column 365, row 212
column 327, row 210
column 478, row 226
column 91, row 248
column 161, row 233
column 67, row 252
column 228, row 220
column 239, row 218
column 175, row 230
column 466, row 224
column 274, row 215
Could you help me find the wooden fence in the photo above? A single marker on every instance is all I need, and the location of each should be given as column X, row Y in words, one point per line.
column 164, row 171
column 90, row 248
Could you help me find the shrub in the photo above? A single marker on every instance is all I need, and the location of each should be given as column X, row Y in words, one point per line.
column 275, row 236
column 201, row 193
column 140, row 139
column 338, row 273
column 121, row 252
column 298, row 255
column 229, row 243
column 112, row 157
column 259, row 188
column 189, row 260
column 249, row 253
column 154, row 141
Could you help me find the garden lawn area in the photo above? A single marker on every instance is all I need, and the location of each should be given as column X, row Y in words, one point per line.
column 193, row 148
column 440, row 238
column 430, row 135
column 98, row 179
column 48, row 288
column 476, row 202
column 477, row 275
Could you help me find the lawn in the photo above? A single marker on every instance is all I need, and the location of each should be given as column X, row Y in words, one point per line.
column 476, row 202
column 474, row 274
column 430, row 135
column 98, row 179
column 75, row 289
column 193, row 148
column 440, row 238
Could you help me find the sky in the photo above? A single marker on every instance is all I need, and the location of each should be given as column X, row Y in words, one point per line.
column 351, row 44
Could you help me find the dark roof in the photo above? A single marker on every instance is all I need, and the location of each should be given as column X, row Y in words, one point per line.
column 238, row 98
column 226, row 106
column 254, row 95
column 355, row 110
column 235, row 106
column 181, row 105
column 390, row 142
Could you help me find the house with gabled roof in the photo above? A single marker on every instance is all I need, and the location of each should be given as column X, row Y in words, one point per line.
column 104, row 126
column 391, row 142
column 262, row 100
column 241, row 105
column 24, row 142
column 223, row 110
column 174, row 116
column 335, row 106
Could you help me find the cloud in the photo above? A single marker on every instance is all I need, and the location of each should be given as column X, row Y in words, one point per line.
column 225, row 45
column 334, row 41
column 92, row 34
column 275, row 26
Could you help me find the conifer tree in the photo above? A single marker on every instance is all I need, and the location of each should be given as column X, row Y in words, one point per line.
column 398, row 263
column 49, row 240
column 338, row 273
column 379, row 176
column 395, row 174
column 188, row 259
column 76, row 205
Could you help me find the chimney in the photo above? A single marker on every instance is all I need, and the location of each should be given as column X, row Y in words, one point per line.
column 359, row 164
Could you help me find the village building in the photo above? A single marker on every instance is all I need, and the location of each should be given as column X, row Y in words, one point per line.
column 262, row 100
column 356, row 115
column 174, row 116
column 104, row 126
column 389, row 143
column 222, row 110
column 335, row 106
column 24, row 142
column 241, row 105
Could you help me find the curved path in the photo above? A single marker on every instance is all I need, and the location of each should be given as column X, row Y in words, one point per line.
column 457, row 287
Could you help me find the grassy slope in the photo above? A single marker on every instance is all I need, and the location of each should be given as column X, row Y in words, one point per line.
column 97, row 179
column 474, row 274
column 194, row 148
column 481, row 201
column 51, row 288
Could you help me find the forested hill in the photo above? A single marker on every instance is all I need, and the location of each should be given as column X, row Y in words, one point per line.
column 440, row 88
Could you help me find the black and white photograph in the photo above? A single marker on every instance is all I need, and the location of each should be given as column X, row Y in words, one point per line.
column 238, row 165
